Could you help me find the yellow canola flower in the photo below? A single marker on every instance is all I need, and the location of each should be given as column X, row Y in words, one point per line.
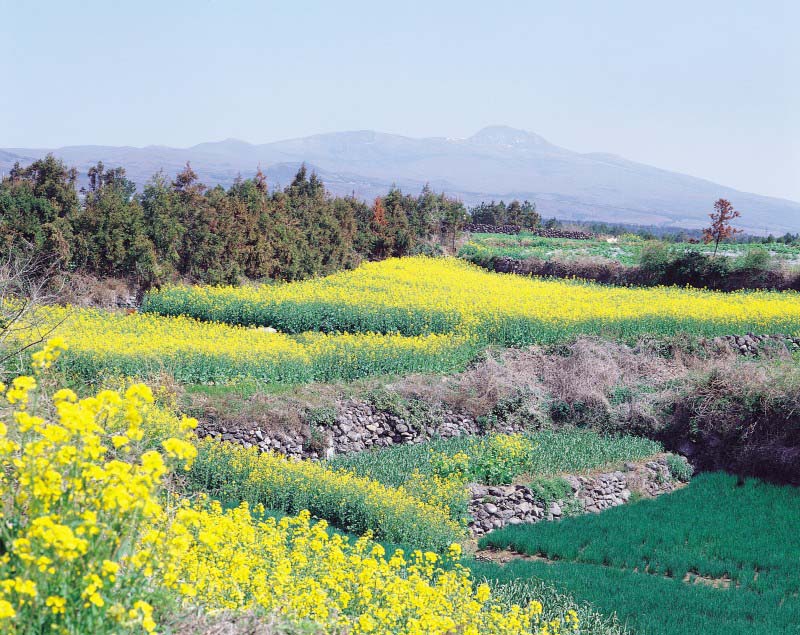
column 420, row 511
column 396, row 316
column 297, row 568
column 73, row 512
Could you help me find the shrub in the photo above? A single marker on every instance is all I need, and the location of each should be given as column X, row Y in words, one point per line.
column 498, row 458
column 740, row 417
column 549, row 490
column 654, row 259
column 679, row 467
column 506, row 410
column 755, row 259
column 322, row 416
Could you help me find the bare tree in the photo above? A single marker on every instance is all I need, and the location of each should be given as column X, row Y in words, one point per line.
column 27, row 282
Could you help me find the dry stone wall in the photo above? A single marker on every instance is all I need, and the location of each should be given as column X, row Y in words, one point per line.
column 358, row 426
column 483, row 228
column 562, row 233
column 753, row 344
column 493, row 507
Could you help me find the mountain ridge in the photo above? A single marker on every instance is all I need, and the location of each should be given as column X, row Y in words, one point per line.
column 497, row 162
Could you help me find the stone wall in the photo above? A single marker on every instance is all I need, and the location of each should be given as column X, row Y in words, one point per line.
column 492, row 507
column 358, row 426
column 752, row 344
column 563, row 233
column 482, row 228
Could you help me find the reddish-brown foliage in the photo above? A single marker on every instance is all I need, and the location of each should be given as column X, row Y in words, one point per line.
column 721, row 228
column 379, row 213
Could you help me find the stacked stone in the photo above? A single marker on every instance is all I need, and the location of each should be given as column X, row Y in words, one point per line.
column 562, row 233
column 483, row 228
column 653, row 479
column 493, row 507
column 288, row 443
column 358, row 427
column 751, row 344
column 506, row 264
column 600, row 492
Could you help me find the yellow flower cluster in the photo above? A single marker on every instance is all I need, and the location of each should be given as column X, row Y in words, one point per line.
column 299, row 569
column 422, row 295
column 498, row 458
column 76, row 488
column 445, row 491
column 418, row 513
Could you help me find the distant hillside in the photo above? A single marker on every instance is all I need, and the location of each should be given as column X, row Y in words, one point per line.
column 495, row 163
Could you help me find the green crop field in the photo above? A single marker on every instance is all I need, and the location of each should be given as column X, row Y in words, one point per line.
column 713, row 558
column 551, row 453
column 625, row 249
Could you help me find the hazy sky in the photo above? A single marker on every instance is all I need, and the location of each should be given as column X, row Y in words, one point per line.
column 707, row 88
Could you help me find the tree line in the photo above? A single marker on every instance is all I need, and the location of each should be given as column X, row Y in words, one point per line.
column 182, row 228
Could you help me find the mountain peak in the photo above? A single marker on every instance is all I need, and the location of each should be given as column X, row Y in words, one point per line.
column 506, row 136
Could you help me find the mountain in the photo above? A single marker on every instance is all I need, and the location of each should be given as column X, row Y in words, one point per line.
column 497, row 162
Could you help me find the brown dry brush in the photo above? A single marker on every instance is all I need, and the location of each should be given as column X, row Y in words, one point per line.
column 27, row 281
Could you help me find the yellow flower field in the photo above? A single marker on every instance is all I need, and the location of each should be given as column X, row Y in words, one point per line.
column 143, row 345
column 397, row 316
column 92, row 543
column 355, row 503
column 417, row 296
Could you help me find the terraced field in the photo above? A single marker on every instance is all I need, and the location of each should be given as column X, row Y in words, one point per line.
column 123, row 520
column 397, row 316
column 547, row 453
column 419, row 296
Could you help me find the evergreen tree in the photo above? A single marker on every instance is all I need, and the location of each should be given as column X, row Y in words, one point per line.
column 111, row 236
column 165, row 228
column 40, row 204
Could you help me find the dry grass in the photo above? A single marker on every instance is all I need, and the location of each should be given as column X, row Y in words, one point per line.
column 80, row 289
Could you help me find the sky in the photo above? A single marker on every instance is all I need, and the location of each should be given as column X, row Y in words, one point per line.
column 706, row 88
